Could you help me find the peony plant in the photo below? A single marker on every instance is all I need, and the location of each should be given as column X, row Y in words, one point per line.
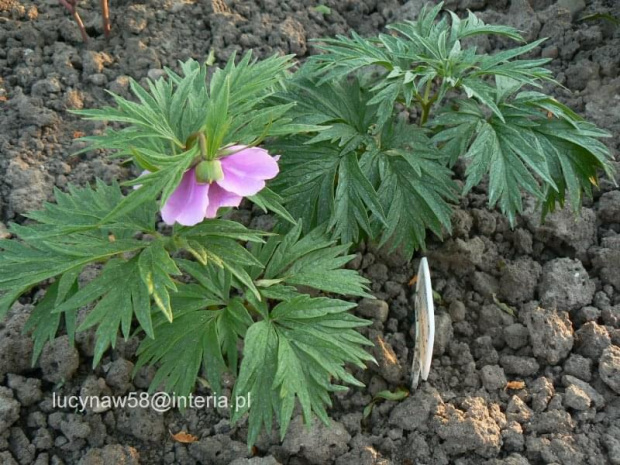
column 361, row 143
column 406, row 108
column 193, row 290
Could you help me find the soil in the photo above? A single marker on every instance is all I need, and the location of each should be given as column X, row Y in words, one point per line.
column 542, row 386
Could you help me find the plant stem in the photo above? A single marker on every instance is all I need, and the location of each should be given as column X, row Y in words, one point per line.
column 426, row 103
column 105, row 12
column 202, row 140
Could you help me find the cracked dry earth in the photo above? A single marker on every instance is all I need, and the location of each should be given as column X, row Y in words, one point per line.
column 540, row 387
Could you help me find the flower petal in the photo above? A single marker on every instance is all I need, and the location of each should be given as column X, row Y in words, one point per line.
column 219, row 197
column 188, row 203
column 245, row 171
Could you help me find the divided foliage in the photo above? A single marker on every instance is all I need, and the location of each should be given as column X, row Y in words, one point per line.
column 192, row 294
column 373, row 173
column 353, row 166
column 163, row 125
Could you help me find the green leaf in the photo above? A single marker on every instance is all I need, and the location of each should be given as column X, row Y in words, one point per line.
column 298, row 355
column 115, row 307
column 541, row 146
column 312, row 261
column 181, row 348
column 156, row 266
column 268, row 200
column 43, row 323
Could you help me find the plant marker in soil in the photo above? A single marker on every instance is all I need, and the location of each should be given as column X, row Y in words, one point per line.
column 424, row 325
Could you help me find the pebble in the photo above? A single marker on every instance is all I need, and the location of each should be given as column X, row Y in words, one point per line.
column 374, row 308
column 609, row 367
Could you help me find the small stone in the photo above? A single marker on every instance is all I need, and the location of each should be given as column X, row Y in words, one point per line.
column 7, row 459
column 519, row 280
column 119, row 375
column 388, row 365
column 98, row 79
column 155, row 74
column 485, row 221
column 493, row 377
column 597, row 398
column 512, row 437
column 550, row 52
column 605, row 261
column 59, row 360
column 586, row 314
column 457, row 310
column 518, row 411
column 516, row 336
column 576, row 398
column 27, row 390
column 462, row 223
column 73, row 427
column 44, row 87
column 9, row 409
column 218, row 449
column 94, row 388
column 581, row 73
column 43, row 439
column 555, row 403
column 473, row 430
column 413, row 413
column 120, row 85
column 355, row 263
column 374, row 308
column 523, row 241
column 542, row 391
column 443, row 333
column 30, row 185
column 515, row 365
column 317, row 445
column 573, row 6
column 111, row 454
column 484, row 352
column 578, row 366
column 562, row 231
column 142, row 423
column 609, row 367
column 565, row 285
column 378, row 272
column 551, row 334
column 554, row 421
column 611, row 439
column 592, row 339
column 611, row 317
column 485, row 284
column 609, row 207
column 393, row 289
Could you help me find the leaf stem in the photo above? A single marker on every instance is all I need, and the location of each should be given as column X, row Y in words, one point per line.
column 426, row 103
column 202, row 140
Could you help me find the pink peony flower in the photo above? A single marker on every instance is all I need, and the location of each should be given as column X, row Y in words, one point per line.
column 242, row 174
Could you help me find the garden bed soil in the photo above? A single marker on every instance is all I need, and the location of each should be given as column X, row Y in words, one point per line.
column 539, row 386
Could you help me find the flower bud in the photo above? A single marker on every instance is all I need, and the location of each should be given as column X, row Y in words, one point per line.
column 208, row 171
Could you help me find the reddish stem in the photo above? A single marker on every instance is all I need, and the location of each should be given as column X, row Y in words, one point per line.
column 71, row 5
column 105, row 11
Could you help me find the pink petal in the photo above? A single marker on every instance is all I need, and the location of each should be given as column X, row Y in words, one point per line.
column 245, row 171
column 219, row 197
column 188, row 203
column 252, row 161
column 241, row 185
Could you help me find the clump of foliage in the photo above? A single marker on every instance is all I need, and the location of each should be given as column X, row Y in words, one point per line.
column 378, row 174
column 351, row 167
